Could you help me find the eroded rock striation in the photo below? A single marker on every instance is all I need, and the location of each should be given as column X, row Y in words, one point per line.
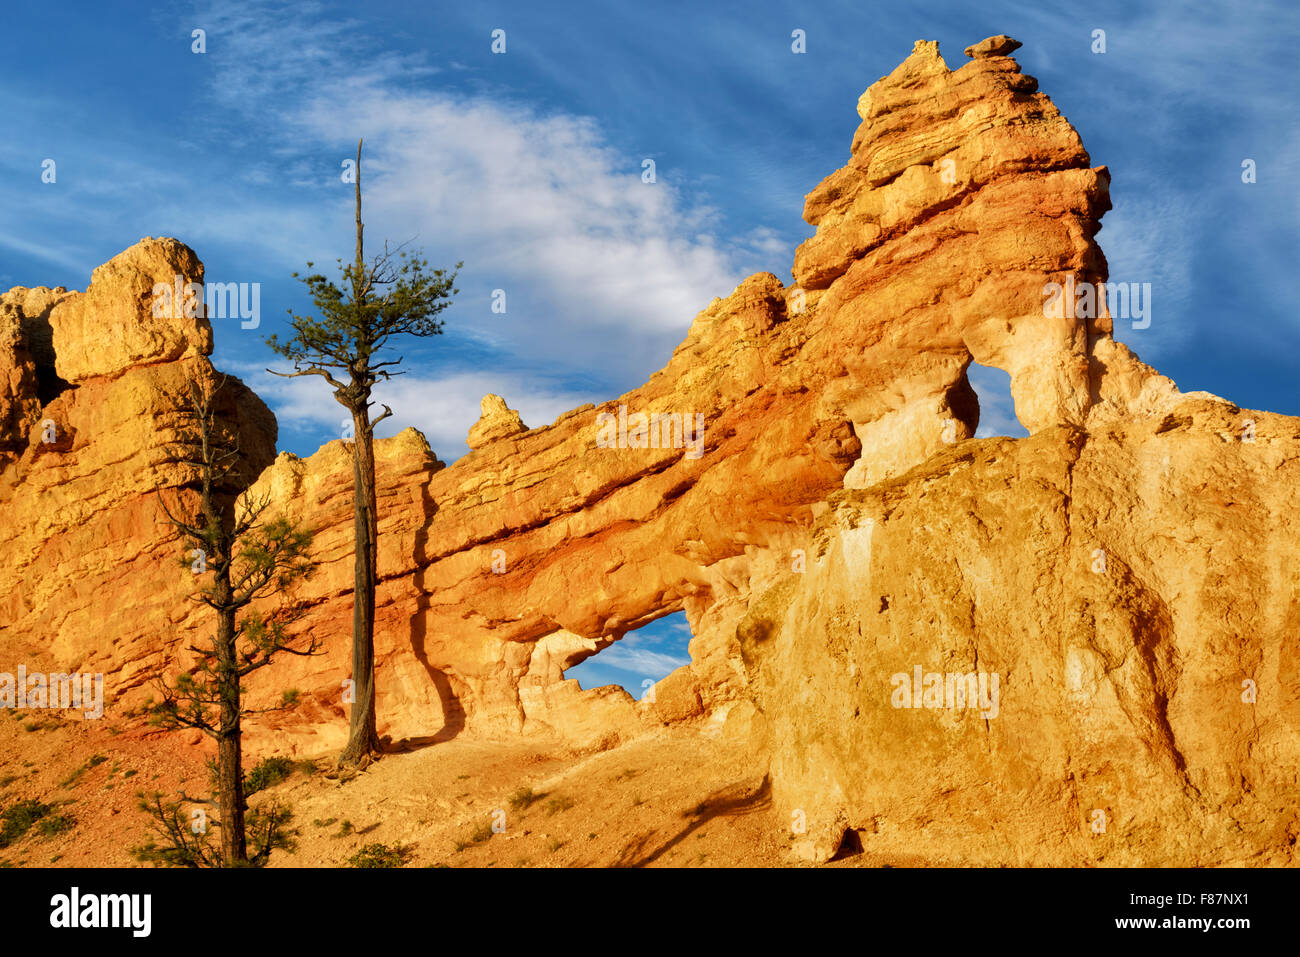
column 800, row 479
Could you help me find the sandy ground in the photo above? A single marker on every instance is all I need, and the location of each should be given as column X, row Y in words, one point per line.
column 677, row 797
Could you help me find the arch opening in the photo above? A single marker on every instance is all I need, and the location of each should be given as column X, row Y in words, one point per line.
column 638, row 659
column 997, row 408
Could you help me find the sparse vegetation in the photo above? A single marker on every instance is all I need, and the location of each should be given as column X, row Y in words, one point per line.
column 267, row 773
column 380, row 855
column 266, row 827
column 523, row 799
column 54, row 824
column 17, row 820
column 238, row 553
column 558, row 804
column 75, row 776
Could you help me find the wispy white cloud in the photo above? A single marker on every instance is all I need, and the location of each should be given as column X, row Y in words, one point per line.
column 537, row 204
column 1180, row 96
column 602, row 272
column 59, row 256
column 641, row 661
column 1151, row 239
column 649, row 653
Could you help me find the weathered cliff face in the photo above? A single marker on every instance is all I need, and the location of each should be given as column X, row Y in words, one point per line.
column 91, row 577
column 1119, row 586
column 1132, row 588
column 816, row 506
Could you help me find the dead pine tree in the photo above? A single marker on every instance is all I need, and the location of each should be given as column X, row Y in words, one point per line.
column 349, row 345
column 239, row 556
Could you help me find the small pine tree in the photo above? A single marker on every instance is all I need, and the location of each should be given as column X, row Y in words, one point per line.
column 392, row 295
column 241, row 557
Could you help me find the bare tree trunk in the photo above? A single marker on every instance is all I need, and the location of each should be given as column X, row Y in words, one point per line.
column 230, row 774
column 230, row 771
column 360, row 229
column 363, row 737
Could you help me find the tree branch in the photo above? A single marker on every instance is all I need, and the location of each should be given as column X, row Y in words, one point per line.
column 314, row 370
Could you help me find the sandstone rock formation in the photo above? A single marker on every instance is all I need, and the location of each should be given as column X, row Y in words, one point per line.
column 27, row 361
column 498, row 421
column 90, row 576
column 965, row 192
column 801, row 480
column 116, row 325
column 1000, row 45
column 538, row 549
column 1125, row 571
column 1133, row 588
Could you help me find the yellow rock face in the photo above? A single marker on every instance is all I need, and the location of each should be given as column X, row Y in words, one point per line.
column 497, row 421
column 91, row 578
column 134, row 312
column 1131, row 588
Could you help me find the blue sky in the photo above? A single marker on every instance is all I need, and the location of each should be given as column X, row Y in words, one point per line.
column 527, row 166
column 647, row 654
